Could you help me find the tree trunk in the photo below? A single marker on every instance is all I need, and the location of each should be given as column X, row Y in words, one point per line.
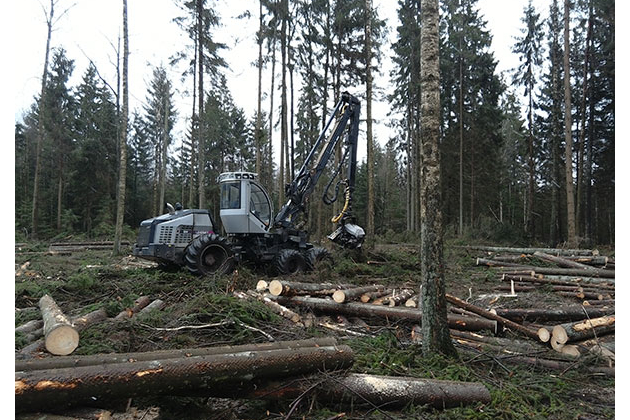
column 271, row 96
column 489, row 315
column 122, row 168
column 435, row 333
column 201, row 143
column 283, row 105
column 40, row 126
column 61, row 338
column 368, row 101
column 40, row 389
column 571, row 229
column 360, row 309
column 164, row 160
column 257, row 136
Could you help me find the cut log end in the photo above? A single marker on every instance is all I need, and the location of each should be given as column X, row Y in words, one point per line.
column 275, row 287
column 570, row 350
column 261, row 286
column 544, row 335
column 339, row 296
column 62, row 341
column 560, row 334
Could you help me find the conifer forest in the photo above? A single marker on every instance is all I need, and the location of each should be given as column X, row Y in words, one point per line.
column 480, row 211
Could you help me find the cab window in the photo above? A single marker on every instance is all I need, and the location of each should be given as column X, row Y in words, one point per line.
column 231, row 195
column 259, row 204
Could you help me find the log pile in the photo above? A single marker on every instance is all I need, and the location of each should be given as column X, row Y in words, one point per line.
column 581, row 276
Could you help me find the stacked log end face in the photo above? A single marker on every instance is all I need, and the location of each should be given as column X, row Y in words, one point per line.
column 212, row 375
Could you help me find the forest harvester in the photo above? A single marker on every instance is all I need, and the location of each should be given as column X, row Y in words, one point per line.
column 189, row 237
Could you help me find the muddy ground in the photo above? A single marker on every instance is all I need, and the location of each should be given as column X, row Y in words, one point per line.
column 83, row 281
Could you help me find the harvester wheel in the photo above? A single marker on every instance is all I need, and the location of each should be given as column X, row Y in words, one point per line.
column 209, row 254
column 289, row 261
column 319, row 258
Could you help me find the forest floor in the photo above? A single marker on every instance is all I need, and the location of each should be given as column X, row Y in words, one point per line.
column 83, row 281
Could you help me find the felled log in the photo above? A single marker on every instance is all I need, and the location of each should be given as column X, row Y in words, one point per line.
column 30, row 326
column 600, row 303
column 386, row 392
column 412, row 302
column 156, row 305
column 398, row 298
column 553, row 251
column 79, row 323
column 582, row 330
column 589, row 260
column 591, row 272
column 562, row 262
column 510, row 344
column 366, row 297
column 115, row 358
column 570, row 313
column 292, row 288
column 584, row 280
column 489, row 315
column 341, row 296
column 557, row 365
column 41, row 389
column 138, row 305
column 361, row 310
column 60, row 337
column 274, row 306
column 585, row 295
column 510, row 258
column 567, row 281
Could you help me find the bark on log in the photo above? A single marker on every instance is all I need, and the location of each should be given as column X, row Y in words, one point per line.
column 30, row 326
column 293, row 288
column 489, row 315
column 562, row 262
column 572, row 313
column 40, row 389
column 60, row 337
column 341, row 296
column 116, row 358
column 138, row 305
column 359, row 309
column 577, row 331
column 84, row 321
column 552, row 251
column 387, row 392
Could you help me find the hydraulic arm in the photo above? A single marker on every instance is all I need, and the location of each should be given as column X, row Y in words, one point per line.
column 344, row 120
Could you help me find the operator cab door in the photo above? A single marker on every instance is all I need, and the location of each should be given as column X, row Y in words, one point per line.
column 260, row 210
column 245, row 207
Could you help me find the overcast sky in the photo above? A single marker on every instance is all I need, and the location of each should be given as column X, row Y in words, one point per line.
column 90, row 28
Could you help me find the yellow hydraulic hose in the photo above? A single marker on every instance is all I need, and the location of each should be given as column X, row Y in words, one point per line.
column 345, row 208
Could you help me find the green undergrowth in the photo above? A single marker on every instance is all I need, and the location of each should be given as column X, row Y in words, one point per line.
column 518, row 393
